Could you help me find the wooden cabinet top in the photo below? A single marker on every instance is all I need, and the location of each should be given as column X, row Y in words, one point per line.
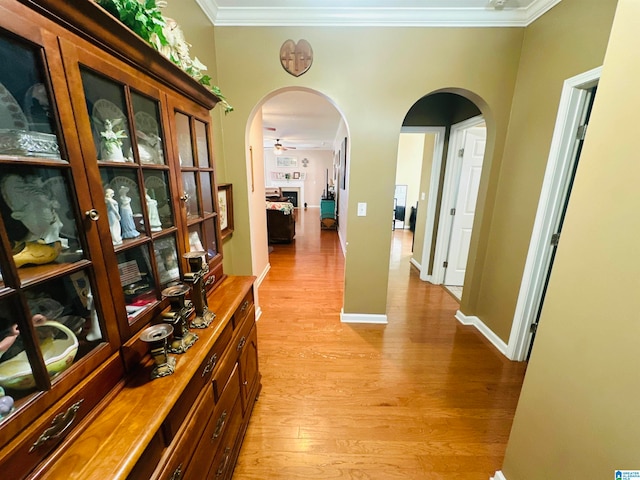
column 91, row 22
column 113, row 442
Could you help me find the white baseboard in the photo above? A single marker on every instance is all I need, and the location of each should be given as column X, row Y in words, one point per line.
column 363, row 318
column 415, row 264
column 262, row 275
column 258, row 312
column 498, row 476
column 486, row 331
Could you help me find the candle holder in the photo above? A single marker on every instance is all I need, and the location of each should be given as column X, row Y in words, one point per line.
column 195, row 277
column 177, row 317
column 157, row 337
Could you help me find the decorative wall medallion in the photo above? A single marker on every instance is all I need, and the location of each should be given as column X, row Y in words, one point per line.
column 296, row 58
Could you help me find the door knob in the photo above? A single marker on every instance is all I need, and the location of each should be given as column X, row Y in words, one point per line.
column 93, row 214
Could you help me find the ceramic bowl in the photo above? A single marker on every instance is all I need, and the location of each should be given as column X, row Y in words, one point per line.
column 58, row 355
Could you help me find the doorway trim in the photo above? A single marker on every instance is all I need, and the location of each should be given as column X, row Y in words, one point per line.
column 449, row 195
column 432, row 198
column 552, row 197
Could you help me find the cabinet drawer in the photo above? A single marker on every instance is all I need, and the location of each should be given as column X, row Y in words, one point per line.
column 213, row 278
column 27, row 450
column 243, row 331
column 179, row 411
column 175, row 466
column 215, row 430
column 225, row 457
column 249, row 372
column 243, row 310
column 224, row 371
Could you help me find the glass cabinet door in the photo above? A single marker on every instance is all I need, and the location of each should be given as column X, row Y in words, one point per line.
column 27, row 115
column 51, row 318
column 198, row 187
column 128, row 141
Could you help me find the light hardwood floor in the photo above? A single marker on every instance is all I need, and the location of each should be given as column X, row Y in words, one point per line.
column 423, row 397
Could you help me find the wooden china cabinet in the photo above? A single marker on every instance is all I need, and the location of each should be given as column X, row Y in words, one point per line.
column 107, row 179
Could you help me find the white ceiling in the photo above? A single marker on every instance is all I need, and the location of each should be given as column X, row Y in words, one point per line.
column 304, row 120
column 308, row 121
column 505, row 13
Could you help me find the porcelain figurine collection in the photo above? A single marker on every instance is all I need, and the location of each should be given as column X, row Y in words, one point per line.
column 34, row 205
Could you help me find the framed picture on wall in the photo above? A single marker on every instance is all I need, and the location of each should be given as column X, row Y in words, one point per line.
column 296, row 175
column 286, row 162
column 225, row 203
column 343, row 164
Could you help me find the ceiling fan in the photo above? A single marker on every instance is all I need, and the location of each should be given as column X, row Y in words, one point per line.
column 278, row 148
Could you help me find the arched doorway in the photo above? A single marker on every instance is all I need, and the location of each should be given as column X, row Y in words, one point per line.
column 450, row 122
column 309, row 129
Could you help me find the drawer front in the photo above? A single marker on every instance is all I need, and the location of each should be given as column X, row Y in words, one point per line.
column 215, row 430
column 243, row 331
column 214, row 277
column 22, row 455
column 224, row 371
column 225, row 457
column 175, row 466
column 249, row 372
column 243, row 310
column 197, row 383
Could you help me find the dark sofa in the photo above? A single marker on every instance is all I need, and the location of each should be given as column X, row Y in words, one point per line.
column 281, row 227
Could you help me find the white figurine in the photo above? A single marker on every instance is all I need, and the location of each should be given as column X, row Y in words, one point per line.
column 33, row 205
column 126, row 215
column 111, row 148
column 154, row 217
column 113, row 215
column 94, row 330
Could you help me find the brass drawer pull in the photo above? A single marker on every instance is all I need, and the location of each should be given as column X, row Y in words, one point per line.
column 223, row 466
column 244, row 306
column 219, row 425
column 59, row 425
column 177, row 473
column 210, row 280
column 241, row 344
column 213, row 360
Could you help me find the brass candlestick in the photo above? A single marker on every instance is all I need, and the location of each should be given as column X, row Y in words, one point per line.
column 195, row 277
column 157, row 337
column 177, row 317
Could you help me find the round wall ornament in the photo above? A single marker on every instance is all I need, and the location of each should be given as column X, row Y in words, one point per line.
column 296, row 58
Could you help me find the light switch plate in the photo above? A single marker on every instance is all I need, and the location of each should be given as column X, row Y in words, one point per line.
column 362, row 209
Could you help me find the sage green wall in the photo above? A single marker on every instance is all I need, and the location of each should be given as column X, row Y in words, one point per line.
column 569, row 39
column 374, row 75
column 200, row 34
column 578, row 413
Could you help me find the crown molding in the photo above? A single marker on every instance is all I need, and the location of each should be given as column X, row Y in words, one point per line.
column 210, row 9
column 436, row 16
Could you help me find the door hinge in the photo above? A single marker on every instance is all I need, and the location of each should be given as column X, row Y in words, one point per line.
column 453, row 211
column 445, row 264
column 582, row 132
column 534, row 327
column 555, row 238
column 461, row 152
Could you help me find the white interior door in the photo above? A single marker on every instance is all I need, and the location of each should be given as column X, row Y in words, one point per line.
column 465, row 206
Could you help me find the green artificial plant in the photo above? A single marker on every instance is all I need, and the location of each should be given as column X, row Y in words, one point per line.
column 146, row 20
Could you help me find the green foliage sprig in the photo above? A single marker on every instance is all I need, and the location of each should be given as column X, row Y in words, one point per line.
column 147, row 21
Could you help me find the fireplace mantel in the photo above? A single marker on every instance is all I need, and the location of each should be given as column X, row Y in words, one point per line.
column 293, row 185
